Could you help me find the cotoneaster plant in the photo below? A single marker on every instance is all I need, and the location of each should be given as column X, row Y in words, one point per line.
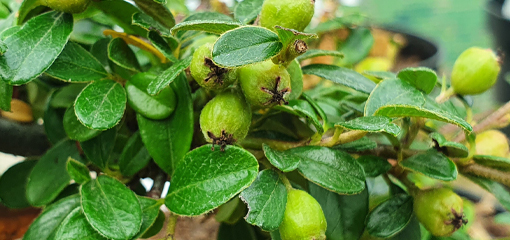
column 247, row 116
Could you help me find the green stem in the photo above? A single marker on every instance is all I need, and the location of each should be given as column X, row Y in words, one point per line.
column 444, row 96
column 487, row 172
column 346, row 137
column 286, row 182
column 170, row 228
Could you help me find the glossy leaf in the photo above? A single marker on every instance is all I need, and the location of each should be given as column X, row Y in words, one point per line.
column 101, row 104
column 111, row 208
column 345, row 214
column 407, row 101
column 497, row 189
column 208, row 16
column 76, row 227
column 372, row 124
column 27, row 6
column 246, row 11
column 168, row 76
column 432, row 164
column 169, row 140
column 266, row 199
column 156, row 226
column 340, row 75
column 210, row 26
column 411, row 231
column 357, row 46
column 495, row 162
column 49, row 176
column 421, row 78
column 313, row 53
column 75, row 129
column 153, row 107
column 148, row 23
column 240, row 230
column 205, row 179
column 296, row 80
column 13, row 183
column 245, row 45
column 99, row 149
column 5, row 96
column 45, row 226
column 121, row 18
column 281, row 160
column 374, row 165
column 231, row 211
column 47, row 34
column 451, row 149
column 166, row 48
column 334, row 170
column 66, row 96
column 150, row 211
column 391, row 216
column 381, row 75
column 134, row 156
column 302, row 108
column 85, row 68
column 359, row 145
column 158, row 11
column 121, row 54
column 78, row 171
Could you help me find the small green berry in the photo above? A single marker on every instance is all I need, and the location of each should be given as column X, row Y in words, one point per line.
column 265, row 84
column 440, row 211
column 293, row 14
column 493, row 143
column 226, row 118
column 475, row 71
column 68, row 6
column 207, row 74
column 303, row 218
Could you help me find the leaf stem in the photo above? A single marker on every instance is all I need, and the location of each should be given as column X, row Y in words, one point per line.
column 286, row 182
column 444, row 96
column 170, row 227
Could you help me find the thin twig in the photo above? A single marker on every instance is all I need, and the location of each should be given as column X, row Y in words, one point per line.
column 487, row 172
column 157, row 187
column 488, row 123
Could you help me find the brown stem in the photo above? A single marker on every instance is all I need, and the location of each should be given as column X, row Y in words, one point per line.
column 157, row 187
column 487, row 172
column 491, row 121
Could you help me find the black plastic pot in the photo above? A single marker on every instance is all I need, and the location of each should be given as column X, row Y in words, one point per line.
column 500, row 29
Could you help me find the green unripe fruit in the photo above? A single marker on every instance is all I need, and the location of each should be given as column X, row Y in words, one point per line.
column 265, row 84
column 207, row 74
column 293, row 14
column 373, row 64
column 303, row 218
column 225, row 119
column 154, row 107
column 493, row 143
column 68, row 6
column 440, row 211
column 475, row 71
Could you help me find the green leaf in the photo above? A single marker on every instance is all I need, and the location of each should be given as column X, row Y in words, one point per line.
column 156, row 226
column 380, row 74
column 49, row 175
column 148, row 23
column 391, row 216
column 231, row 211
column 76, row 227
column 247, row 10
column 317, row 108
column 101, row 104
column 45, row 226
column 266, row 199
column 208, row 16
column 497, row 189
column 78, row 171
column 281, row 160
column 372, row 124
column 240, row 230
column 26, row 9
column 5, row 96
column 210, row 26
column 134, row 156
column 495, row 162
column 85, row 68
column 359, row 145
column 374, row 165
column 121, row 18
column 75, row 129
column 340, row 75
column 296, row 80
column 13, row 183
column 421, row 78
column 411, row 231
column 153, row 107
column 54, row 124
column 121, row 54
column 289, row 36
column 150, row 212
column 168, row 76
column 432, row 164
column 99, row 149
column 205, row 179
column 46, row 34
column 406, row 101
column 302, row 108
column 166, row 48
column 66, row 96
column 158, row 11
column 345, row 214
column 169, row 140
column 357, row 46
column 111, row 208
column 451, row 149
column 245, row 45
column 312, row 53
column 334, row 170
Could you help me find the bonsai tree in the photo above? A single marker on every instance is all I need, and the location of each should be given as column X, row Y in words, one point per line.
column 214, row 102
